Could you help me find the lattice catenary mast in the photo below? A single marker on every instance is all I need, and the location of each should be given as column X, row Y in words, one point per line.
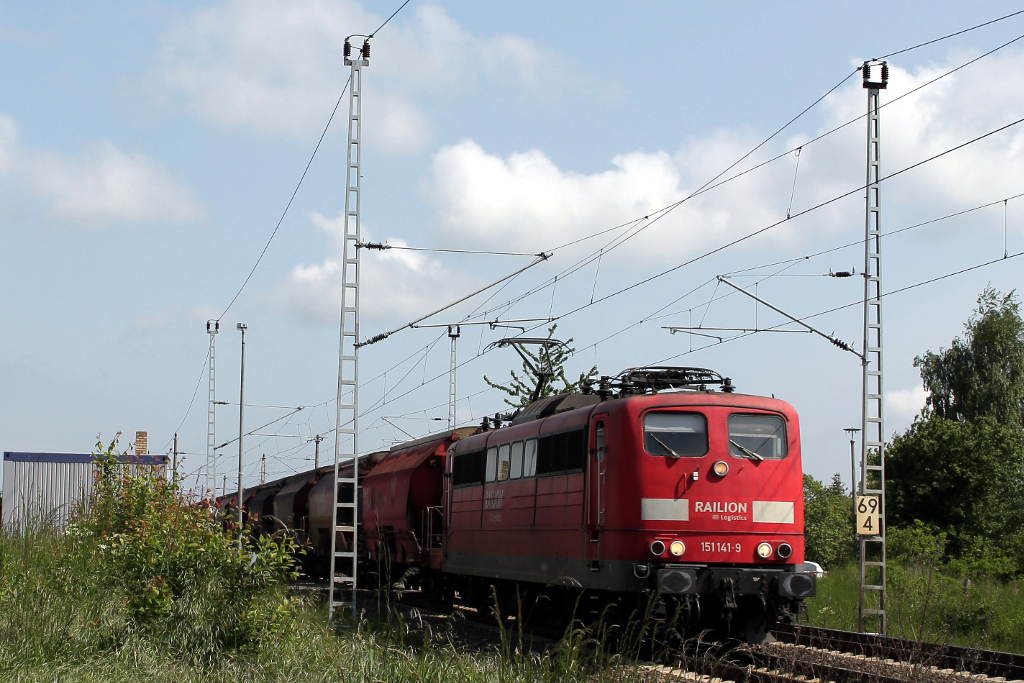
column 872, row 548
column 344, row 540
column 453, row 334
column 212, row 328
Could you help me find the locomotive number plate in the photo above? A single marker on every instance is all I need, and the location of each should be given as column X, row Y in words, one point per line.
column 712, row 547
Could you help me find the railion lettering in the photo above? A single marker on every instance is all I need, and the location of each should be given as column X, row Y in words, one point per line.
column 720, row 506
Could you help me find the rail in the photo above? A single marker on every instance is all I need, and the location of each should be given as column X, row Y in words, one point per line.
column 943, row 657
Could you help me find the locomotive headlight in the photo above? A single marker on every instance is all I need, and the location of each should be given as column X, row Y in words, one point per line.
column 764, row 550
column 785, row 551
column 721, row 468
column 657, row 548
column 677, row 548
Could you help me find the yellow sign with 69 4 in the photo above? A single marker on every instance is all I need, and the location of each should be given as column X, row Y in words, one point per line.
column 869, row 515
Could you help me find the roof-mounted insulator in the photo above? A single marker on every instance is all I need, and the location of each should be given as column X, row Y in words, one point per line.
column 727, row 387
column 366, row 49
column 348, row 49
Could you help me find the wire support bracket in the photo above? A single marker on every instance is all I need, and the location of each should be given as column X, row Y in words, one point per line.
column 828, row 336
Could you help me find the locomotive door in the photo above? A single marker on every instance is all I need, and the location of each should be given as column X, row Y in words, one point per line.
column 597, row 486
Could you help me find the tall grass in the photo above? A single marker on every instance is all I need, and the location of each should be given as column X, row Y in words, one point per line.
column 147, row 587
column 57, row 622
column 925, row 603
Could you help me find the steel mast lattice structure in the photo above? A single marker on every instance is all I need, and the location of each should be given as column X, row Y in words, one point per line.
column 872, row 443
column 212, row 328
column 344, row 540
column 453, row 334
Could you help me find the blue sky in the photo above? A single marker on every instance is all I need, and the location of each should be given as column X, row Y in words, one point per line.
column 147, row 151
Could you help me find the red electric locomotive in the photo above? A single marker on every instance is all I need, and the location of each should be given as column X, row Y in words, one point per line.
column 654, row 490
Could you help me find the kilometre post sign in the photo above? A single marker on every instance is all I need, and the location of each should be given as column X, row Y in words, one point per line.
column 868, row 515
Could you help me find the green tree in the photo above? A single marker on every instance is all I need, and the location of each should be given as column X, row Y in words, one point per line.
column 961, row 478
column 828, row 522
column 982, row 373
column 521, row 386
column 959, row 470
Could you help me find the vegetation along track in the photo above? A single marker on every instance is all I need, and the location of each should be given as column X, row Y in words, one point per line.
column 809, row 654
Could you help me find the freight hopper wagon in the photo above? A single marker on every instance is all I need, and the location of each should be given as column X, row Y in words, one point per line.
column 655, row 495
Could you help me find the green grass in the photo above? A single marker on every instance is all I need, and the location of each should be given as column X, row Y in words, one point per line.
column 929, row 605
column 59, row 621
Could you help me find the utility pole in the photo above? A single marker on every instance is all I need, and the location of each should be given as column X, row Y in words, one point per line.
column 345, row 561
column 224, row 486
column 316, row 456
column 852, row 431
column 263, row 470
column 241, row 327
column 174, row 463
column 451, row 377
column 212, row 328
column 872, row 457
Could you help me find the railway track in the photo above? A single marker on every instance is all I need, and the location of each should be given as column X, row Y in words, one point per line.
column 926, row 659
column 800, row 654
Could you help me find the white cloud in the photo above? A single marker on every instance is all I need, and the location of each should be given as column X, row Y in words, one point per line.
column 527, row 201
column 103, row 185
column 903, row 405
column 397, row 285
column 276, row 66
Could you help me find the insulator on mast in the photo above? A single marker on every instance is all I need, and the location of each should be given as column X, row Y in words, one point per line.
column 366, row 49
column 348, row 49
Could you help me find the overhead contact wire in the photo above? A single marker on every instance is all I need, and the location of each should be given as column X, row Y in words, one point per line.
column 290, row 200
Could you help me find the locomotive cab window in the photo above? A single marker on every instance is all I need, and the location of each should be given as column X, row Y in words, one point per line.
column 680, row 435
column 757, row 436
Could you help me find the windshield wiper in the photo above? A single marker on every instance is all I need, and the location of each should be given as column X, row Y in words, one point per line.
column 746, row 452
column 665, row 446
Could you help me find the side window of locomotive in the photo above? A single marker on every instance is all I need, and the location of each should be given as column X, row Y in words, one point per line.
column 503, row 462
column 517, row 460
column 761, row 434
column 680, row 435
column 530, row 458
column 492, row 463
column 575, row 450
column 468, row 469
column 561, row 453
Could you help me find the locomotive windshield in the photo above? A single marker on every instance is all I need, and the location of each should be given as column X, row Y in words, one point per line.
column 763, row 435
column 675, row 434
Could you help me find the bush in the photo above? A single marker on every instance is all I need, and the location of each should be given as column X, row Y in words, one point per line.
column 142, row 562
column 182, row 577
column 918, row 544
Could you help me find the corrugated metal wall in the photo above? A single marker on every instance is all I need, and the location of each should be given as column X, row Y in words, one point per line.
column 45, row 489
